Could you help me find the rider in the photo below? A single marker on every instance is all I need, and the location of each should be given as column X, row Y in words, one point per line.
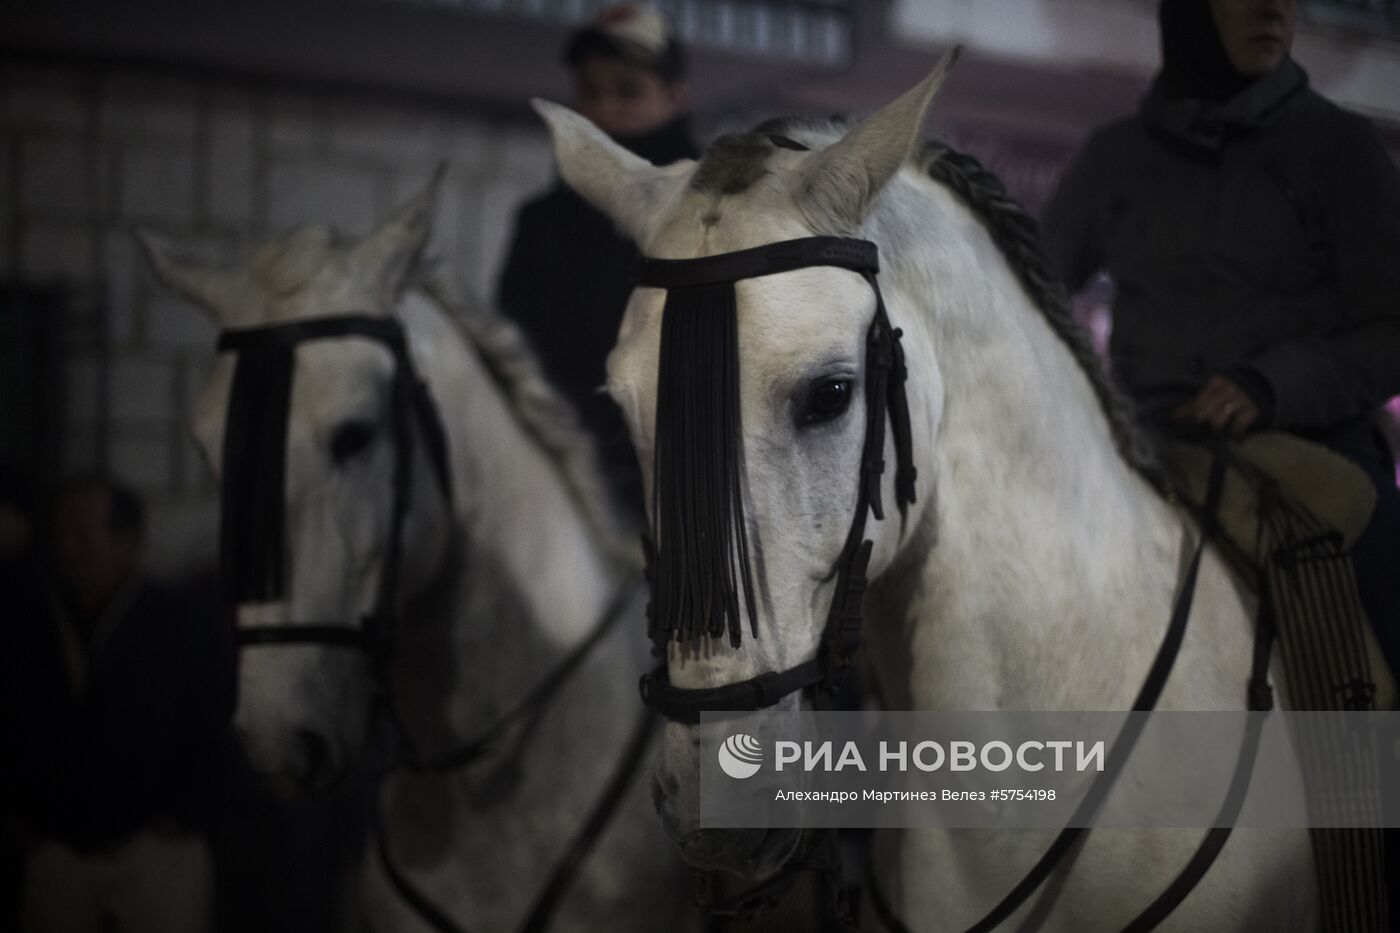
column 1252, row 230
column 569, row 272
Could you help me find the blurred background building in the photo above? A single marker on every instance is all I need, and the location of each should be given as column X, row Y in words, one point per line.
column 222, row 123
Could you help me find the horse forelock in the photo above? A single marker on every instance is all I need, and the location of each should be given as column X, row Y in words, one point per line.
column 289, row 261
column 732, row 163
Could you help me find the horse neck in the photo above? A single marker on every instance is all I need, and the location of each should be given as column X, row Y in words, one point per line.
column 528, row 576
column 1044, row 565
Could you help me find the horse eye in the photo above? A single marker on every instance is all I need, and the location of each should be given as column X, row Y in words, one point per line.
column 350, row 439
column 826, row 400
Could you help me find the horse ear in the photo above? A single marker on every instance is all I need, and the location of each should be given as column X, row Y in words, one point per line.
column 622, row 185
column 385, row 256
column 208, row 287
column 839, row 184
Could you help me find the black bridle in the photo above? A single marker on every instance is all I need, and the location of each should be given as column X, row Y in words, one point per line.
column 252, row 549
column 253, row 569
column 885, row 376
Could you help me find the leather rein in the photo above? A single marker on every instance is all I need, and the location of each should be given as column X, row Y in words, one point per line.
column 1259, row 699
column 252, row 568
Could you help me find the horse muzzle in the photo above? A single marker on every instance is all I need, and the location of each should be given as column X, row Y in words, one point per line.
column 752, row 854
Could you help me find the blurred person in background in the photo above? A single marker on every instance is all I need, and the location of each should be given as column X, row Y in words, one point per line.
column 119, row 696
column 568, row 274
column 16, row 520
column 21, row 599
column 1252, row 231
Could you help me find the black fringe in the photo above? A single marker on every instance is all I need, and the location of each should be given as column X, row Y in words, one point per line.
column 253, row 513
column 702, row 549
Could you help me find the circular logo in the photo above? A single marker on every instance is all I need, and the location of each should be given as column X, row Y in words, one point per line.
column 741, row 756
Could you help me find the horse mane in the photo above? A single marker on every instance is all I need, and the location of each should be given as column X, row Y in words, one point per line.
column 544, row 414
column 1016, row 234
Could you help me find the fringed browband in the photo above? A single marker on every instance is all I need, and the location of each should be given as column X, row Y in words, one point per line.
column 727, row 268
column 253, row 554
column 698, row 555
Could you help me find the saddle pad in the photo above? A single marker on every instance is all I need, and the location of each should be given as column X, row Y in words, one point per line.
column 1332, row 488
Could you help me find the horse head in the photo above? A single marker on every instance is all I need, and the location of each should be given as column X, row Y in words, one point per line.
column 749, row 399
column 316, row 485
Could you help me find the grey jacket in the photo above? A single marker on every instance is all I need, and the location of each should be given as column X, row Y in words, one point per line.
column 1259, row 238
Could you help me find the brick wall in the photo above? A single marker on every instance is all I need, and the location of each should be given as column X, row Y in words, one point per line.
column 85, row 152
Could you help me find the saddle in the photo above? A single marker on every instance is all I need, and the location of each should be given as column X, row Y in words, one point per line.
column 1289, row 514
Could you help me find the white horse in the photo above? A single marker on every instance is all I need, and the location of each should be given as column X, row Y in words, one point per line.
column 1037, row 568
column 497, row 587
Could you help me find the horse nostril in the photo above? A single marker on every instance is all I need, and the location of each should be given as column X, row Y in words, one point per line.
column 711, row 847
column 318, row 758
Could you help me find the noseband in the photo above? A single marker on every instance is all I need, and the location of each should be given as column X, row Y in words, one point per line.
column 252, row 551
column 711, row 279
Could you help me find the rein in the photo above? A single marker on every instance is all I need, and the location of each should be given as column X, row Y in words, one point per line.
column 534, row 703
column 253, row 567
column 1259, row 699
column 529, row 709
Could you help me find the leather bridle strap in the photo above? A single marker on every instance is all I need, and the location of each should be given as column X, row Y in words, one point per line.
column 885, row 397
column 785, row 256
column 685, row 705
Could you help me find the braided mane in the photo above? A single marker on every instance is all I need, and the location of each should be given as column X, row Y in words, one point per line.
column 1017, row 236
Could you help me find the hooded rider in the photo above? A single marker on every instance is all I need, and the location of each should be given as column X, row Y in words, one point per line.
column 1252, row 231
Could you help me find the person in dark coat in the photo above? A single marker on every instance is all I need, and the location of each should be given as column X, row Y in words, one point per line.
column 22, row 598
column 569, row 272
column 118, row 698
column 1252, row 232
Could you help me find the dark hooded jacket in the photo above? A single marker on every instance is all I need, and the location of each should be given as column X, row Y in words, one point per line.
column 566, row 282
column 1252, row 229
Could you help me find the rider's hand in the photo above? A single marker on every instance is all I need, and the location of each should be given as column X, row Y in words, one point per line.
column 1222, row 405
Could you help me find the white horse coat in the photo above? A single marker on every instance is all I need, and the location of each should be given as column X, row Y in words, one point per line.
column 1038, row 567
